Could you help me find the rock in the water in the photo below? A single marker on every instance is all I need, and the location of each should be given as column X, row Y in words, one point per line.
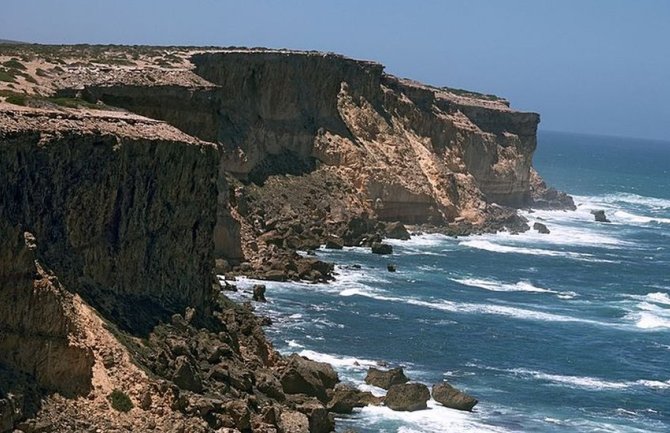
column 407, row 397
column 391, row 267
column 449, row 396
column 541, row 228
column 381, row 248
column 343, row 399
column 334, row 243
column 304, row 376
column 397, row 230
column 259, row 293
column 385, row 378
column 600, row 216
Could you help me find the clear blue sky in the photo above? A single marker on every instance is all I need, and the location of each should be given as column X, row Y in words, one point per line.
column 595, row 66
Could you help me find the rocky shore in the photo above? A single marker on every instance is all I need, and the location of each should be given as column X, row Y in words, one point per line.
column 133, row 176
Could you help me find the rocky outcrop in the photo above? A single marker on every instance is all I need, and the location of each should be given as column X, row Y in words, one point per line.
column 407, row 397
column 38, row 327
column 385, row 378
column 599, row 216
column 304, row 376
column 543, row 196
column 449, row 396
column 541, row 228
column 343, row 399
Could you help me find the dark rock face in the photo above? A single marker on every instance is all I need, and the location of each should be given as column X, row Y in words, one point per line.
column 185, row 376
column 343, row 399
column 334, row 243
column 599, row 216
column 385, row 378
column 407, row 397
column 259, row 293
column 545, row 197
column 541, row 228
column 381, row 248
column 37, row 318
column 116, row 217
column 397, row 230
column 449, row 396
column 303, row 376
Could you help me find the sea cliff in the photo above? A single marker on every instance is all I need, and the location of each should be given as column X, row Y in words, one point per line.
column 132, row 175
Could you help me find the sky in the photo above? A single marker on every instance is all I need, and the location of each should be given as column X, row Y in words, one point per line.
column 590, row 66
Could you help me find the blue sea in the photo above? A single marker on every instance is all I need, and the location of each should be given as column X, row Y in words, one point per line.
column 566, row 332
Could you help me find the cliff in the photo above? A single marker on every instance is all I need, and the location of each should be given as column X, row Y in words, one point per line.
column 132, row 174
column 114, row 203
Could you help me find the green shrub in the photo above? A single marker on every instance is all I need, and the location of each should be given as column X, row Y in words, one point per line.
column 16, row 99
column 15, row 64
column 6, row 76
column 120, row 401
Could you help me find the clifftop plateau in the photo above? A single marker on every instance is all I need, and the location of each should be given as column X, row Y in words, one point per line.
column 132, row 175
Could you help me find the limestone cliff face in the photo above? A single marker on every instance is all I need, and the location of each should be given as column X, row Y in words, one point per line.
column 412, row 152
column 119, row 208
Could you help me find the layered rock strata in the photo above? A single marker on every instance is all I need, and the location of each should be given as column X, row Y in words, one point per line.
column 131, row 173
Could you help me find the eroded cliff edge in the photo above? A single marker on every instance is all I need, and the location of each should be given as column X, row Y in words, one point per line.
column 128, row 171
column 355, row 141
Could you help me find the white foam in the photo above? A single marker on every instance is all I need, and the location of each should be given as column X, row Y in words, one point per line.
column 651, row 202
column 294, row 344
column 486, row 245
column 659, row 298
column 591, row 383
column 499, row 310
column 572, row 381
column 436, row 419
column 343, row 362
column 497, row 286
column 653, row 313
column 639, row 219
column 647, row 320
column 423, row 240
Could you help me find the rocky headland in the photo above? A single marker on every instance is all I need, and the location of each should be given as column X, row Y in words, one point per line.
column 133, row 176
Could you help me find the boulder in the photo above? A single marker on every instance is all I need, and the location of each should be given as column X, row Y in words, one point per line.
column 391, row 267
column 294, row 422
column 313, row 269
column 600, row 216
column 385, row 378
column 268, row 384
column 343, row 399
column 381, row 248
column 397, row 230
column 320, row 421
column 273, row 275
column 259, row 293
column 185, row 376
column 451, row 397
column 334, row 243
column 541, row 228
column 304, row 376
column 407, row 397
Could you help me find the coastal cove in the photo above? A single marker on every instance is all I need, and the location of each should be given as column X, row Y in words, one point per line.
column 560, row 332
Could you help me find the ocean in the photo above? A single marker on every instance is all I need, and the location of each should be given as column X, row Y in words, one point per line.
column 565, row 332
